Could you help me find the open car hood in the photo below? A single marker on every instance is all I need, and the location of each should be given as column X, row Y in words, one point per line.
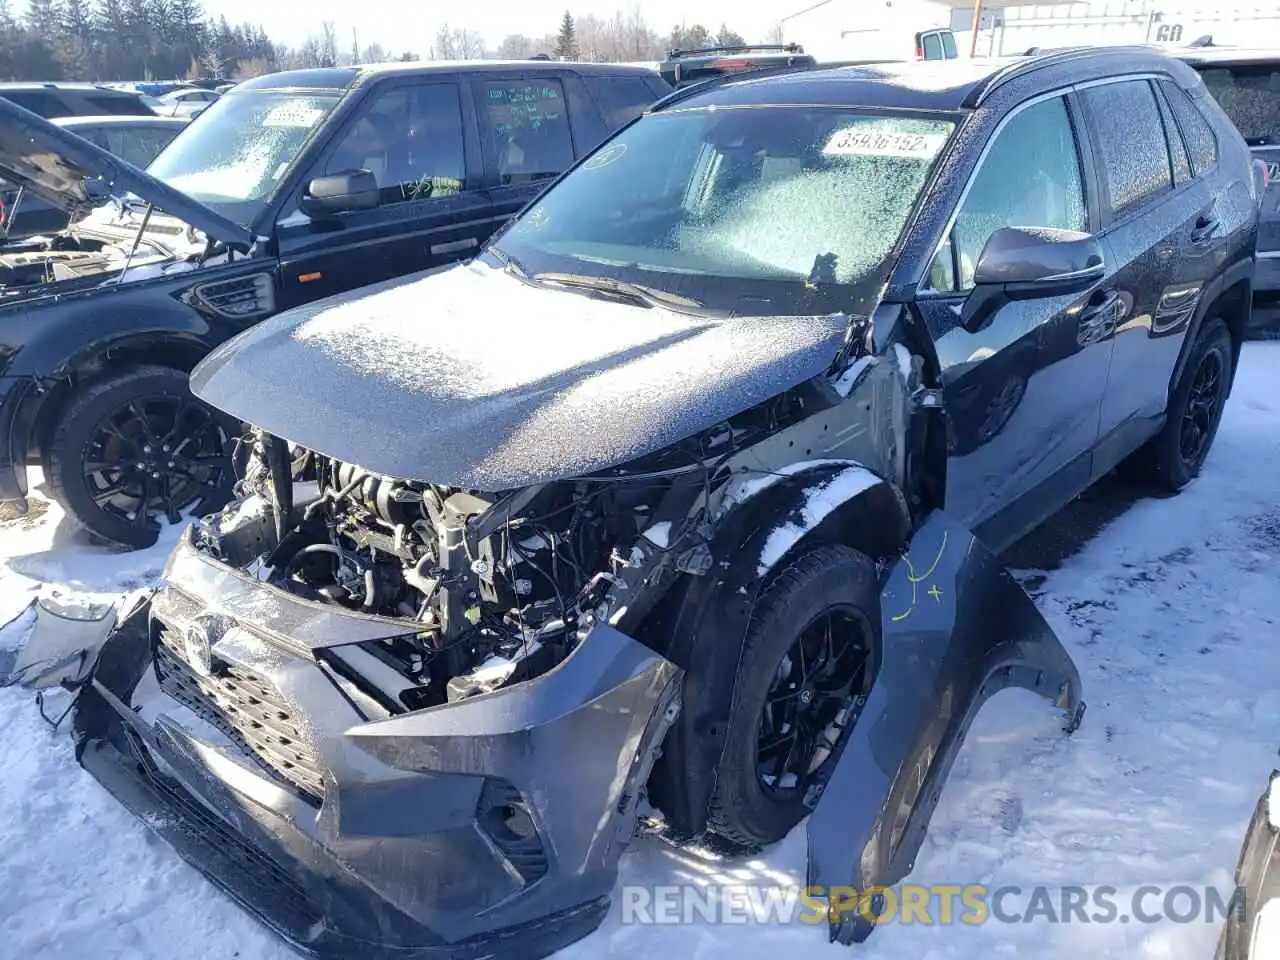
column 76, row 175
column 471, row 378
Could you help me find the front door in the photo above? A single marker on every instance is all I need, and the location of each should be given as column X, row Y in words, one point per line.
column 418, row 139
column 1021, row 395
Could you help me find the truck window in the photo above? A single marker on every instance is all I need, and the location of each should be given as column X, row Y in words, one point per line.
column 948, row 44
column 620, row 99
column 526, row 128
column 411, row 139
column 932, row 46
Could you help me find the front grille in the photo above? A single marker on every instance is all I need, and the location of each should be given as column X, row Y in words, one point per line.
column 246, row 708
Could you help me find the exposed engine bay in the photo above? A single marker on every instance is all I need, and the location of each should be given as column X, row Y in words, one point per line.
column 489, row 589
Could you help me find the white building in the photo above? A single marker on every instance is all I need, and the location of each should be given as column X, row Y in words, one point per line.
column 862, row 29
column 1011, row 27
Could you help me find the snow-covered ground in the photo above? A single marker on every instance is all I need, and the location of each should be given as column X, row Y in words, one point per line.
column 1171, row 612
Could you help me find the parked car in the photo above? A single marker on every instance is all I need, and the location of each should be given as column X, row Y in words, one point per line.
column 135, row 139
column 53, row 100
column 290, row 188
column 1252, row 927
column 661, row 495
column 685, row 67
column 186, row 103
column 1246, row 83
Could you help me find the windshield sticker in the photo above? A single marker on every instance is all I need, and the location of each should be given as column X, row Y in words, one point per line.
column 861, row 142
column 606, row 156
column 293, row 115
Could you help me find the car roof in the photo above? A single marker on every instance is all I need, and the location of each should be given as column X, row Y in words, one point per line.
column 115, row 120
column 933, row 85
column 1225, row 56
column 69, row 87
column 340, row 78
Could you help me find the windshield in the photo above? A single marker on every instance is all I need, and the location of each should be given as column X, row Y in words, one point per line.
column 240, row 148
column 747, row 211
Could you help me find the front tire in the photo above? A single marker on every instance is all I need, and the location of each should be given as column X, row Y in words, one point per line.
column 1174, row 457
column 805, row 669
column 135, row 446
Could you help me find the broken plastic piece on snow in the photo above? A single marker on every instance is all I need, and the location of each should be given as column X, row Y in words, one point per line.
column 63, row 644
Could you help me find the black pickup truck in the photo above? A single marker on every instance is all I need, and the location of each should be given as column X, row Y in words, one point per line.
column 291, row 188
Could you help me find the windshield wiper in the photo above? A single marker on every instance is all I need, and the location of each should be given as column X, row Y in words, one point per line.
column 510, row 263
column 636, row 293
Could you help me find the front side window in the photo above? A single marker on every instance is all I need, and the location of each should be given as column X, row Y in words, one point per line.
column 241, row 149
column 948, row 45
column 932, row 46
column 1030, row 177
column 762, row 210
column 411, row 139
column 1131, row 144
column 526, row 126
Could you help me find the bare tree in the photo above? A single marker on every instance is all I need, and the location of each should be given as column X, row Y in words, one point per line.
column 775, row 33
column 515, row 46
column 375, row 53
column 328, row 44
column 253, row 67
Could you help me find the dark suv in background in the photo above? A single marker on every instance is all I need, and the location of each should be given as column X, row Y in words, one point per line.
column 52, row 100
column 685, row 67
column 1246, row 83
column 292, row 187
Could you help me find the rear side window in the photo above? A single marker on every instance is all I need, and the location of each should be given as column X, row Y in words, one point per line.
column 527, row 129
column 621, row 99
column 1177, row 148
column 1126, row 120
column 948, row 44
column 1202, row 143
column 46, row 105
column 109, row 105
column 1250, row 96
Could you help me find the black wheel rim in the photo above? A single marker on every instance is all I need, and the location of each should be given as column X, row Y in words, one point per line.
column 816, row 694
column 1200, row 414
column 155, row 457
column 1001, row 408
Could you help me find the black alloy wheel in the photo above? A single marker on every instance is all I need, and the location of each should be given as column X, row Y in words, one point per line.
column 137, row 448
column 814, row 697
column 1202, row 410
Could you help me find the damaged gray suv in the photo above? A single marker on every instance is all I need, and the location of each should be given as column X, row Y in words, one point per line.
column 681, row 497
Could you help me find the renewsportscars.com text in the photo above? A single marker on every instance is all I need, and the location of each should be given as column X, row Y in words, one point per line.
column 935, row 904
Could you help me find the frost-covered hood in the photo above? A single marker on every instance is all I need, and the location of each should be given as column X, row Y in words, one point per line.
column 76, row 175
column 470, row 377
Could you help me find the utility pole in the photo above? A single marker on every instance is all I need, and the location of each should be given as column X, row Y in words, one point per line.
column 973, row 30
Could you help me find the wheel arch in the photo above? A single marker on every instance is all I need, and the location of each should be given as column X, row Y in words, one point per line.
column 704, row 622
column 178, row 350
column 1230, row 297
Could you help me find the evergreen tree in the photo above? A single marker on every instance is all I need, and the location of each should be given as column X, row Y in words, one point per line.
column 567, row 39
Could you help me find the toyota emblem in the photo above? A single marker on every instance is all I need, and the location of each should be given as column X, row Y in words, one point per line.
column 199, row 648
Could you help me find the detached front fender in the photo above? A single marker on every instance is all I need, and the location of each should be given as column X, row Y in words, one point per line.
column 956, row 628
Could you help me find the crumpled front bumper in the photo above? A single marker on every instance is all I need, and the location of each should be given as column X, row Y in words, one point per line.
column 490, row 827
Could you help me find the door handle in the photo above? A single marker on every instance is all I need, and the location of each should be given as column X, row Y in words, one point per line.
column 453, row 246
column 1205, row 229
column 1099, row 320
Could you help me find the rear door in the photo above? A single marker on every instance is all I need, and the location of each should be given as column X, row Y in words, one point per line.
column 532, row 128
column 1022, row 394
column 1161, row 230
column 417, row 136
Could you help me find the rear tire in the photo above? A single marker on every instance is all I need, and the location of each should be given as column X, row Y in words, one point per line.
column 1174, row 456
column 138, row 438
column 755, row 802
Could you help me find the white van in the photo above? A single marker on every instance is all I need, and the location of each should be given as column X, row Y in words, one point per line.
column 867, row 30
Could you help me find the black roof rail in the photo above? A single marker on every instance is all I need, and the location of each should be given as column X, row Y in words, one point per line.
column 738, row 48
column 683, row 93
column 1032, row 63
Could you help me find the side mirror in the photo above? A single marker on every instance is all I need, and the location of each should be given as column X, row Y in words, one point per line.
column 337, row 193
column 1022, row 263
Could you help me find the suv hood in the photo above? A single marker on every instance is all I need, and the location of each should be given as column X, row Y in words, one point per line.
column 64, row 169
column 472, row 378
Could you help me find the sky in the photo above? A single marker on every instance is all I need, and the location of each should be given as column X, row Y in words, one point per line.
column 412, row 24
